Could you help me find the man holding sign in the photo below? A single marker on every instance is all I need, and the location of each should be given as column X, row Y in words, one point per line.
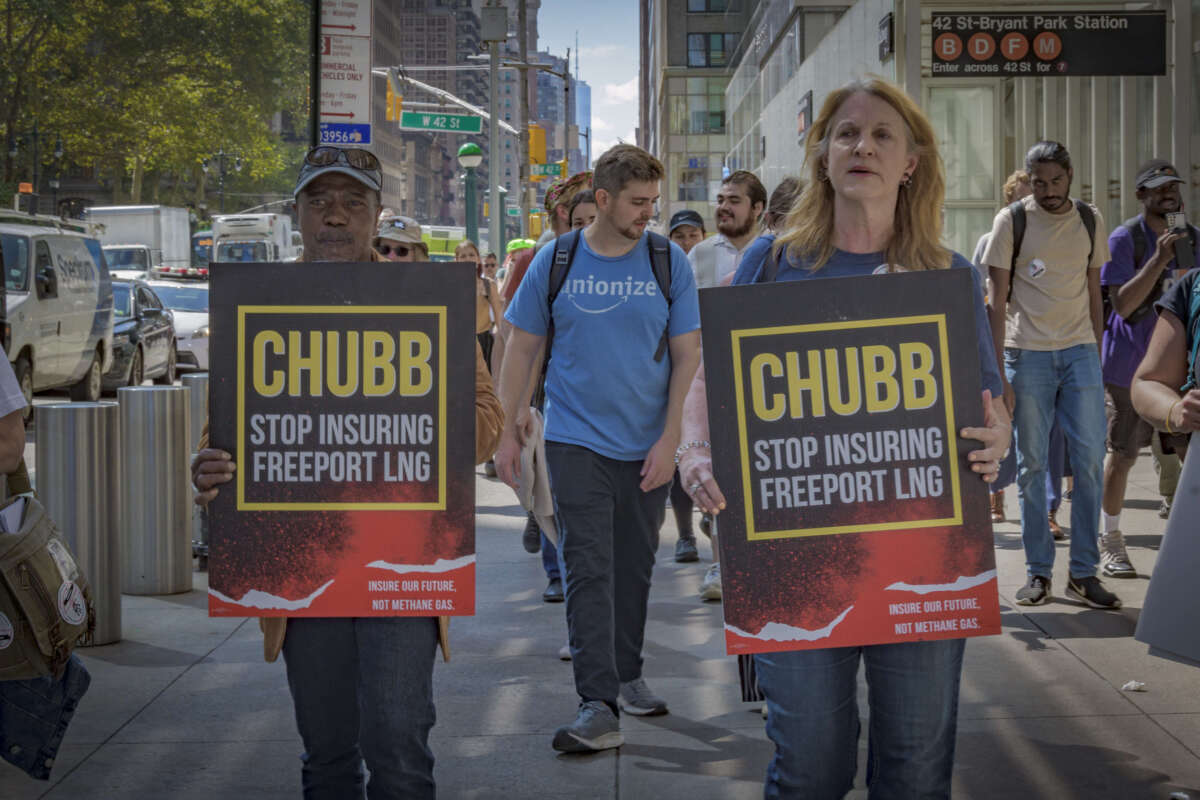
column 622, row 325
column 362, row 686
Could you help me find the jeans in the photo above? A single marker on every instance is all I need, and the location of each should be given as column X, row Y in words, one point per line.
column 608, row 532
column 35, row 714
column 1066, row 383
column 363, row 689
column 1056, row 466
column 551, row 562
column 812, row 704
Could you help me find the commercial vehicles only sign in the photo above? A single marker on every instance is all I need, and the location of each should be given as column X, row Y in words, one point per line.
column 1066, row 43
column 345, row 72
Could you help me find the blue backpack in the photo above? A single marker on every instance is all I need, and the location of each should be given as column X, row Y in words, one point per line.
column 1193, row 328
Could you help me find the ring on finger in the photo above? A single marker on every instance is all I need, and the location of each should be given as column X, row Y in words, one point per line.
column 694, row 488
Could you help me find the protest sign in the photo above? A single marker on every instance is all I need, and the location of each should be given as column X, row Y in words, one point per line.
column 346, row 394
column 1170, row 634
column 835, row 408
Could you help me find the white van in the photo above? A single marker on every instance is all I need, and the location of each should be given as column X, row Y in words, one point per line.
column 58, row 305
column 253, row 237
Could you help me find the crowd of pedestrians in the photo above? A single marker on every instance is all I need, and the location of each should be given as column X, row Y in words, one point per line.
column 605, row 423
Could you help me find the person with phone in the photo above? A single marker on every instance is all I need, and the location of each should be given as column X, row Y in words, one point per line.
column 1145, row 252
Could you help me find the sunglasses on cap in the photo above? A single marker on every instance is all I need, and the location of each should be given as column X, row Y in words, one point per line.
column 401, row 250
column 324, row 155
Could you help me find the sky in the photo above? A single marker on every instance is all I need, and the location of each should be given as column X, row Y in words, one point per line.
column 608, row 60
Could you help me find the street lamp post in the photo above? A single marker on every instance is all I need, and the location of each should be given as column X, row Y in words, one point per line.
column 221, row 157
column 36, row 140
column 470, row 156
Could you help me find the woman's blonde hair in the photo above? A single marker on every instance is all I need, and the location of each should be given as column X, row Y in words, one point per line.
column 917, row 228
column 1010, row 186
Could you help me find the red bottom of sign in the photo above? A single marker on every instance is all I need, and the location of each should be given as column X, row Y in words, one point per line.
column 377, row 589
column 886, row 614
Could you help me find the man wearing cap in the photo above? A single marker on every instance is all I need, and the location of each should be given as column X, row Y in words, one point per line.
column 399, row 239
column 362, row 686
column 740, row 204
column 686, row 229
column 1142, row 264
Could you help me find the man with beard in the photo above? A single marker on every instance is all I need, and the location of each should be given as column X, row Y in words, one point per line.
column 362, row 687
column 1044, row 259
column 740, row 204
column 624, row 343
column 1143, row 260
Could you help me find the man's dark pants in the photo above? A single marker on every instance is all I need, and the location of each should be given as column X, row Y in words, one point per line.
column 608, row 529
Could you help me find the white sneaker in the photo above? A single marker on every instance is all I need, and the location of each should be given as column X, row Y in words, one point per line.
column 710, row 587
column 564, row 652
column 1114, row 561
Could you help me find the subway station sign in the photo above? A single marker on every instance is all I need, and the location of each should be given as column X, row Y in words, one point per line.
column 1067, row 43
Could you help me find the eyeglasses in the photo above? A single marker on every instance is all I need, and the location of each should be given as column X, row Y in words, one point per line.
column 324, row 155
column 401, row 250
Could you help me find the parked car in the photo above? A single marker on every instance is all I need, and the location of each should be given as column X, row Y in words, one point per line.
column 57, row 304
column 189, row 305
column 143, row 337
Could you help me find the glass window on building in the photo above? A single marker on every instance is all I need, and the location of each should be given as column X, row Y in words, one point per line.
column 707, row 6
column 693, row 182
column 710, row 49
column 964, row 118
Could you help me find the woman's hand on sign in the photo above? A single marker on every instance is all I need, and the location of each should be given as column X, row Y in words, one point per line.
column 695, row 472
column 211, row 468
column 996, row 435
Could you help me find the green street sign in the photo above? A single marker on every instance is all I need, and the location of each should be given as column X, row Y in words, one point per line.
column 513, row 212
column 554, row 169
column 451, row 123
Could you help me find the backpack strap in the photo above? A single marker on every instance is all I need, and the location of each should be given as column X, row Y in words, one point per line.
column 1089, row 224
column 560, row 265
column 1134, row 226
column 1017, row 210
column 660, row 262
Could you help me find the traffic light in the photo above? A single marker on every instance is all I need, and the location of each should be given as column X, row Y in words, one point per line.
column 537, row 144
column 392, row 104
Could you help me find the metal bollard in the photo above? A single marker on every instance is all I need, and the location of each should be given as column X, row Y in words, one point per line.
column 78, row 448
column 155, row 490
column 197, row 385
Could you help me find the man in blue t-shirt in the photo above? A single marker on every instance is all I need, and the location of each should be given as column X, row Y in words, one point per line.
column 1134, row 282
column 612, row 428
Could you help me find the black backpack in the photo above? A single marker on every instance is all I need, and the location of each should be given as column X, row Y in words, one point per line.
column 1140, row 245
column 1017, row 210
column 560, row 266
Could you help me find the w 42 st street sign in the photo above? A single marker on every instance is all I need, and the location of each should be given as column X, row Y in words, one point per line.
column 554, row 169
column 452, row 123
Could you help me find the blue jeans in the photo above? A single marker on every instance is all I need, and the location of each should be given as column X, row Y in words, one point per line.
column 812, row 705
column 551, row 562
column 1067, row 384
column 363, row 689
column 1056, row 465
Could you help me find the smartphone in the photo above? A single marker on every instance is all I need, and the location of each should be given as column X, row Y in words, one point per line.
column 1185, row 255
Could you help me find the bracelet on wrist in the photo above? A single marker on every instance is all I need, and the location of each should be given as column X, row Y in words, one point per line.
column 683, row 448
column 1170, row 411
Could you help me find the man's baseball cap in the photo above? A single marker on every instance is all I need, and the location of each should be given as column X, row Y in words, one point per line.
column 358, row 163
column 685, row 217
column 400, row 229
column 1157, row 172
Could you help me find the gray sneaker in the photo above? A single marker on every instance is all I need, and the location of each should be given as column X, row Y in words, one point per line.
column 595, row 728
column 1035, row 592
column 1114, row 561
column 637, row 699
column 710, row 587
column 1091, row 591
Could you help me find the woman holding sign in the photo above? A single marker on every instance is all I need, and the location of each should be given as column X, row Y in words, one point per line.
column 873, row 203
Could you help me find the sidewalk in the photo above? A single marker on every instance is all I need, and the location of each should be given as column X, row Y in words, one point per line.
column 184, row 707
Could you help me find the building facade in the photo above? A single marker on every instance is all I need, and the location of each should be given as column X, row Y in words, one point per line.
column 986, row 117
column 688, row 46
